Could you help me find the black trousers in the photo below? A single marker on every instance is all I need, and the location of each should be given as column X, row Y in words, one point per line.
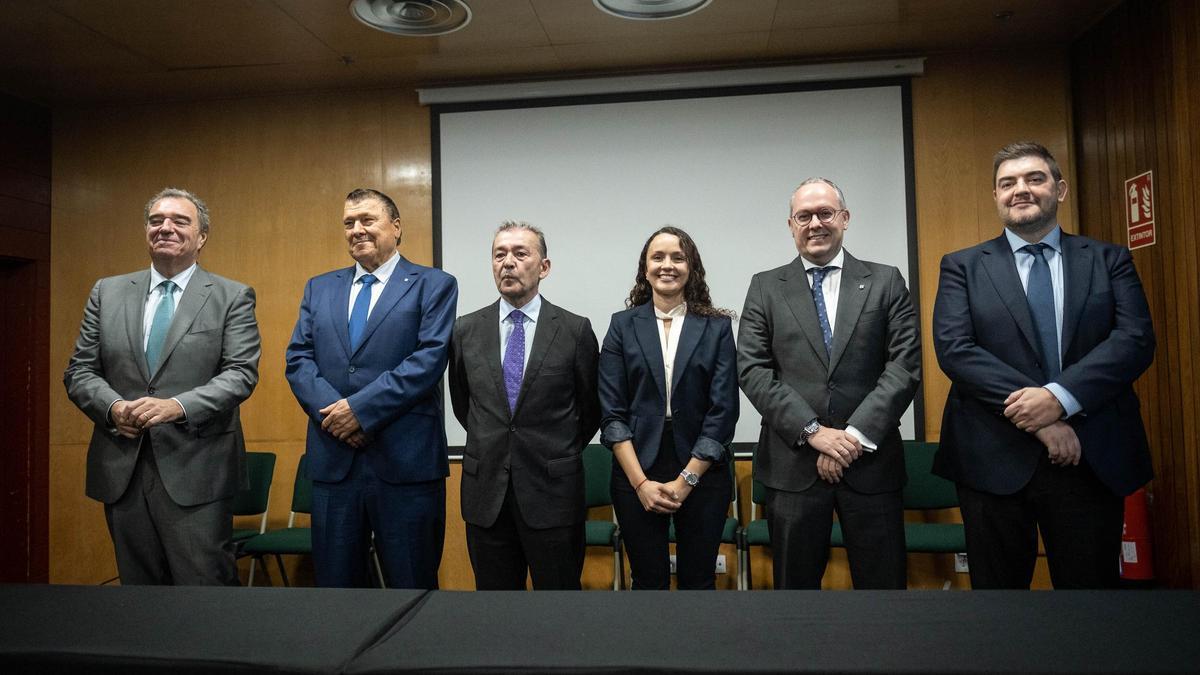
column 159, row 542
column 698, row 524
column 872, row 525
column 1080, row 519
column 502, row 554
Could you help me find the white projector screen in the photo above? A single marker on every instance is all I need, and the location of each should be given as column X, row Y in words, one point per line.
column 598, row 176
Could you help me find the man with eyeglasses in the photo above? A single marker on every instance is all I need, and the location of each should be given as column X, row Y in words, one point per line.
column 164, row 358
column 829, row 353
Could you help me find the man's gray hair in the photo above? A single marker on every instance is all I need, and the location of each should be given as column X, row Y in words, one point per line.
column 180, row 193
column 817, row 179
column 522, row 225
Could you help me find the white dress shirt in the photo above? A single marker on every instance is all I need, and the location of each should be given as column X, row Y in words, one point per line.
column 669, row 341
column 381, row 274
column 531, row 310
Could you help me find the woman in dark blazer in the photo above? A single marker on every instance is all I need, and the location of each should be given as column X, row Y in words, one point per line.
column 670, row 345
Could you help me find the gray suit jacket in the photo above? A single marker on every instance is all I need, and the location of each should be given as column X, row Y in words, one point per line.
column 209, row 363
column 867, row 382
column 541, row 443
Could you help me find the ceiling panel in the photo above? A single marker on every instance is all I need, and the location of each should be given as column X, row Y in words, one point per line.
column 207, row 34
column 663, row 52
column 801, row 14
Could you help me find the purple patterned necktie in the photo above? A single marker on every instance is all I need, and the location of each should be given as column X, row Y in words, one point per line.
column 514, row 358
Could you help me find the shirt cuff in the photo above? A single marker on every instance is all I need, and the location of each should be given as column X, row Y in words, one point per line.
column 708, row 450
column 867, row 443
column 1069, row 403
column 615, row 432
column 108, row 414
column 183, row 419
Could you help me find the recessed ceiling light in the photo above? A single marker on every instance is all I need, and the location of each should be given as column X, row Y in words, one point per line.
column 650, row 9
column 412, row 17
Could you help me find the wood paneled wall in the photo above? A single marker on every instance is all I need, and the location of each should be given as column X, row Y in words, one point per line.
column 274, row 171
column 24, row 339
column 1137, row 109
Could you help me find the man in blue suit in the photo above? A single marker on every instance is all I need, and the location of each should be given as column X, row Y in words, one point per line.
column 1042, row 334
column 365, row 361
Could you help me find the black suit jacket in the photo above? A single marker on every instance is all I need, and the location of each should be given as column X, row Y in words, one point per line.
column 986, row 344
column 541, row 443
column 867, row 382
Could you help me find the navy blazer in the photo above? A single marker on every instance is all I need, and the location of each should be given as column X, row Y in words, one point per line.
column 391, row 381
column 704, row 393
column 986, row 344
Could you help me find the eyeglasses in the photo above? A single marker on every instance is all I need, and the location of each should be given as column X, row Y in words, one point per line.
column 825, row 216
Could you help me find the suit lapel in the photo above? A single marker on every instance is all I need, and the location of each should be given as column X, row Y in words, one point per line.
column 693, row 327
column 544, row 333
column 852, row 297
column 1001, row 268
column 339, row 307
column 798, row 296
column 135, row 308
column 1077, row 284
column 190, row 304
column 491, row 351
column 645, row 328
column 403, row 279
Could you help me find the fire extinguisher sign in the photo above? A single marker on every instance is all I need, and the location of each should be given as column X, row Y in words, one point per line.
column 1139, row 209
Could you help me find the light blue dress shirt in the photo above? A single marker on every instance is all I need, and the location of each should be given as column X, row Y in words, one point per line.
column 531, row 310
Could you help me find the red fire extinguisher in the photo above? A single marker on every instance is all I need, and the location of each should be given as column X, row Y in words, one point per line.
column 1137, row 559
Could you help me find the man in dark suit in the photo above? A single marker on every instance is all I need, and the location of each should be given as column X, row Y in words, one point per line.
column 1042, row 334
column 365, row 362
column 829, row 353
column 164, row 358
column 523, row 385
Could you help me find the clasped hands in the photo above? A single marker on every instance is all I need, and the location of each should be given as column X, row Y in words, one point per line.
column 132, row 417
column 663, row 497
column 1036, row 410
column 837, row 448
column 339, row 420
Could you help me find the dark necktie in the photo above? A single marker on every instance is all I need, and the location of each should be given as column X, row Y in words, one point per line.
column 514, row 358
column 362, row 308
column 818, row 294
column 160, row 324
column 1039, row 292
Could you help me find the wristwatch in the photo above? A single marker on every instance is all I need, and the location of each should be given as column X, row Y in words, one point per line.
column 690, row 478
column 809, row 429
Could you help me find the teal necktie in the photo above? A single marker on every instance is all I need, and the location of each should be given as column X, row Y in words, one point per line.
column 160, row 325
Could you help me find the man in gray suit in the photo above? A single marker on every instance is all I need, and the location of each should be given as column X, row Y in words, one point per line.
column 164, row 358
column 829, row 353
column 523, row 384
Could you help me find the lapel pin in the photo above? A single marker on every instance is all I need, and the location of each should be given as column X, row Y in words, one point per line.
column 861, row 286
column 406, row 279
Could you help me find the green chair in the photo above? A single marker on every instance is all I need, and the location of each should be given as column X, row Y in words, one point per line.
column 927, row 492
column 731, row 534
column 597, row 475
column 291, row 540
column 253, row 501
column 755, row 533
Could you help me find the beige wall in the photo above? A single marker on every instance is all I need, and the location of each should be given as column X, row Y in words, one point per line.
column 274, row 171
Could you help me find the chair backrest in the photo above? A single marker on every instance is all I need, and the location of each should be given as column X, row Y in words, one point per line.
column 925, row 491
column 302, row 489
column 260, row 467
column 597, row 475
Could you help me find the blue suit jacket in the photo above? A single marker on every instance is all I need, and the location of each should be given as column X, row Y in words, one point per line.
column 391, row 381
column 986, row 344
column 704, row 393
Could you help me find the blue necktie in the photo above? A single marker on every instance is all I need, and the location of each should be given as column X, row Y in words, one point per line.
column 514, row 358
column 160, row 324
column 819, row 299
column 1039, row 292
column 362, row 307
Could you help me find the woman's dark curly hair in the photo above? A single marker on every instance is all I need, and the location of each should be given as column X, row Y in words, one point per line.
column 695, row 290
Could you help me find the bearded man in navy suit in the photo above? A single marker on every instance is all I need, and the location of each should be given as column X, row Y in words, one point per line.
column 1042, row 334
column 365, row 361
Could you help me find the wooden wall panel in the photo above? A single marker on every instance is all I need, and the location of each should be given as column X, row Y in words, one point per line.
column 1138, row 109
column 274, row 171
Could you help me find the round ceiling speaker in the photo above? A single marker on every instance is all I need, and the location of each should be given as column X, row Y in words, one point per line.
column 419, row 18
column 650, row 9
